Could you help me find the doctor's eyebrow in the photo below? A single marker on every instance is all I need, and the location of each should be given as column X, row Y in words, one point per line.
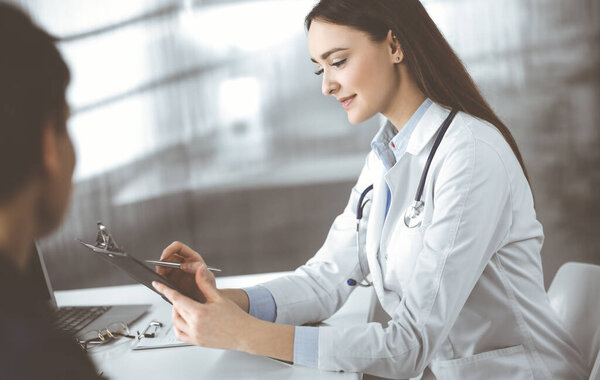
column 328, row 53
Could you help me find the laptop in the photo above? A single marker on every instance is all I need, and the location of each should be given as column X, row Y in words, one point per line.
column 76, row 320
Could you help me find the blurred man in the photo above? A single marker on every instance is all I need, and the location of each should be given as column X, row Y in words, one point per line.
column 36, row 165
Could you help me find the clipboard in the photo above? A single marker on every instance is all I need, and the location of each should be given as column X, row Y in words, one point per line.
column 135, row 268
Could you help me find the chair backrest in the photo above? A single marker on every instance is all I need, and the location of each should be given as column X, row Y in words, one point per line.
column 575, row 295
column 595, row 375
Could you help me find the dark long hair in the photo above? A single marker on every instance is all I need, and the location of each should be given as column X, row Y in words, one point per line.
column 438, row 71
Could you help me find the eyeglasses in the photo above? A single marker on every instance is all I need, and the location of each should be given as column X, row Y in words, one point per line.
column 95, row 338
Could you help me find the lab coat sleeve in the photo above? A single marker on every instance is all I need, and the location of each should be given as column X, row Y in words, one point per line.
column 316, row 290
column 470, row 222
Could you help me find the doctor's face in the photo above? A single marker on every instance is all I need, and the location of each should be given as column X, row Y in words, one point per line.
column 357, row 71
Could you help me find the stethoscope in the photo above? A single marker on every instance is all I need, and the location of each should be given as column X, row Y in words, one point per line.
column 413, row 216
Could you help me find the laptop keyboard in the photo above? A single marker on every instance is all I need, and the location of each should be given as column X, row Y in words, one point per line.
column 72, row 319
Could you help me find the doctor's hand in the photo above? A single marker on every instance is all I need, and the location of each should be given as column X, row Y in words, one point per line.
column 183, row 278
column 218, row 323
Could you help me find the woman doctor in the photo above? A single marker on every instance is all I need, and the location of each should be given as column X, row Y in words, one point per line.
column 460, row 274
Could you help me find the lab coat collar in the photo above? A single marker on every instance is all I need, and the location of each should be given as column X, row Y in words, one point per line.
column 427, row 127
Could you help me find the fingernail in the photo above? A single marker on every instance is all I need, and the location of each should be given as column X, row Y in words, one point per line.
column 185, row 266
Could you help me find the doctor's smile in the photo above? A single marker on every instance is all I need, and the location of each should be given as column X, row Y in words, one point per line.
column 347, row 101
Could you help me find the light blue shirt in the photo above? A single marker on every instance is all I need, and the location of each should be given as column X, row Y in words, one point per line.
column 389, row 145
column 261, row 303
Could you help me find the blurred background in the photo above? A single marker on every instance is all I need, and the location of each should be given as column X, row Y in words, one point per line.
column 202, row 121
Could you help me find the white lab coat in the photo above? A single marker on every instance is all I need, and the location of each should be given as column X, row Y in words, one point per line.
column 464, row 290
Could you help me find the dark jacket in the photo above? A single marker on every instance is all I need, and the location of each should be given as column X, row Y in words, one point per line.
column 30, row 347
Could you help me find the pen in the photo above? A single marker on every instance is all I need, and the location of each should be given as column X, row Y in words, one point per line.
column 175, row 265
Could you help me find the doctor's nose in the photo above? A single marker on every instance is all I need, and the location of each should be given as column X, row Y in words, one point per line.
column 328, row 87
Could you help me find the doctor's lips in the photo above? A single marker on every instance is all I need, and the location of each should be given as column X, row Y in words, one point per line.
column 346, row 101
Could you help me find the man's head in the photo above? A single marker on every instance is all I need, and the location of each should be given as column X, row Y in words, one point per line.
column 35, row 148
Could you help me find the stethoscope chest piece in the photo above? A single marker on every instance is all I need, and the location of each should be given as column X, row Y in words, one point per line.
column 413, row 217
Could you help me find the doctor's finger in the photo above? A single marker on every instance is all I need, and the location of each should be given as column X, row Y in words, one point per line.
column 183, row 304
column 182, row 250
column 172, row 295
column 182, row 328
column 183, row 311
column 178, row 320
column 181, row 335
column 172, row 251
column 186, row 307
column 172, row 258
column 191, row 267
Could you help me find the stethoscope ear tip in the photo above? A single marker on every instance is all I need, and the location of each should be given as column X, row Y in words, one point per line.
column 351, row 282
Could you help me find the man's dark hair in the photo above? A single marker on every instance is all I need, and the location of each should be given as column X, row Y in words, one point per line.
column 33, row 80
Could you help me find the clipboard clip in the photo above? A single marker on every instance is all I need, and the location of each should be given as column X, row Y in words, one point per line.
column 105, row 243
column 105, row 240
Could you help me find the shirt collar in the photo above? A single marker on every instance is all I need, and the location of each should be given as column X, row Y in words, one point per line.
column 401, row 139
column 380, row 144
column 388, row 134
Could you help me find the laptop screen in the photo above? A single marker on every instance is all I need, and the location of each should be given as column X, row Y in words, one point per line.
column 39, row 276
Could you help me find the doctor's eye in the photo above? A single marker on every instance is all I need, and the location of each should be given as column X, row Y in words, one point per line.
column 334, row 64
column 339, row 63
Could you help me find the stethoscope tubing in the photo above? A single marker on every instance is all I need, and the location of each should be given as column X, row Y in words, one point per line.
column 436, row 143
column 359, row 209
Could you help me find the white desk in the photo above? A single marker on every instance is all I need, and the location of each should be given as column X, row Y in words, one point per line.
column 120, row 362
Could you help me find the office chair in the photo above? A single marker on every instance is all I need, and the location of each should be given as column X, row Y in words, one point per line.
column 595, row 375
column 574, row 296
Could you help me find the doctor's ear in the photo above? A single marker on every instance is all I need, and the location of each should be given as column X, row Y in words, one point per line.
column 396, row 52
